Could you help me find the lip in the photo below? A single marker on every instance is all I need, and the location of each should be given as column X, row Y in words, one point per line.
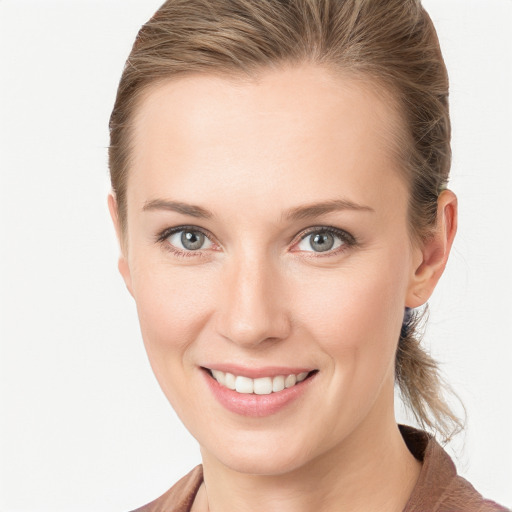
column 252, row 405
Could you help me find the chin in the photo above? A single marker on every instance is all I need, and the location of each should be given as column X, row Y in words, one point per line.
column 262, row 458
column 271, row 466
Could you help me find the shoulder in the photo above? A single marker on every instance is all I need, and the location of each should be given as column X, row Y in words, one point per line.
column 179, row 497
column 439, row 488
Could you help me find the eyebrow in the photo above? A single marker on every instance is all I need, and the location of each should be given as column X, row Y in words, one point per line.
column 179, row 207
column 316, row 209
column 298, row 213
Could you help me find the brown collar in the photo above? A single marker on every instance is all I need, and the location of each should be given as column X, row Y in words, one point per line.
column 439, row 488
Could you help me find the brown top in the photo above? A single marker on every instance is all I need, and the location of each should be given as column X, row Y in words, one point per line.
column 438, row 489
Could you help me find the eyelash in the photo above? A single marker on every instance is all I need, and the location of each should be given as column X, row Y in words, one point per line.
column 346, row 238
column 162, row 238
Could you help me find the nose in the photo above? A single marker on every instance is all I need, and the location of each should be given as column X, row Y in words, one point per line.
column 252, row 307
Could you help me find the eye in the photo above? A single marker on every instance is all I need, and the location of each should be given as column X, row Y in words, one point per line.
column 187, row 239
column 324, row 240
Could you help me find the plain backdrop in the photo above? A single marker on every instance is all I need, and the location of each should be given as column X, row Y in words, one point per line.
column 83, row 423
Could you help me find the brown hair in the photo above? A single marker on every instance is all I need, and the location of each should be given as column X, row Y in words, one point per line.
column 392, row 43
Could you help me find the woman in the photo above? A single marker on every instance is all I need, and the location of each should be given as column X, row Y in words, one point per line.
column 279, row 176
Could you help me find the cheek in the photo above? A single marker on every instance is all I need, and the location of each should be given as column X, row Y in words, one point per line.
column 173, row 305
column 353, row 300
column 354, row 317
column 355, row 314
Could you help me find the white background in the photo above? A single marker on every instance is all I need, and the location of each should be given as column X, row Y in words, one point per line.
column 83, row 424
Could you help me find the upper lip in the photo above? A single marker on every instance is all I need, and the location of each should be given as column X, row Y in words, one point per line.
column 257, row 372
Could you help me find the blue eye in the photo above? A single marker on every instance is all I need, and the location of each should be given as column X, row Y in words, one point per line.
column 189, row 240
column 324, row 240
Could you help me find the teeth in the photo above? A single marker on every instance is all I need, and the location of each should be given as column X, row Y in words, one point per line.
column 263, row 386
column 229, row 381
column 260, row 386
column 278, row 383
column 290, row 381
column 302, row 376
column 244, row 385
column 220, row 377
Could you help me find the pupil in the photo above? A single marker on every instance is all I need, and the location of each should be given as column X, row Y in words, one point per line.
column 322, row 242
column 192, row 240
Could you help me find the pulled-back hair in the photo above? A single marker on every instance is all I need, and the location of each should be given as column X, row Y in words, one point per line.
column 391, row 44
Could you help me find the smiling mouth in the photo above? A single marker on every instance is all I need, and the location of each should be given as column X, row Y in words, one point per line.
column 259, row 386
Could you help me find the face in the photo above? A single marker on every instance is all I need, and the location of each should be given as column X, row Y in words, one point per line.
column 267, row 249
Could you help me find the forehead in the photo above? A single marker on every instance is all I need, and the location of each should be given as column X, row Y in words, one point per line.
column 297, row 129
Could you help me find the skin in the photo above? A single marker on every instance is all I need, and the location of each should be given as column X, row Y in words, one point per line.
column 259, row 295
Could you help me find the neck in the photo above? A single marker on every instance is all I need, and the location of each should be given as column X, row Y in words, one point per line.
column 372, row 470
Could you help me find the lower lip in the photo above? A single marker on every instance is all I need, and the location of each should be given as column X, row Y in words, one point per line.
column 253, row 405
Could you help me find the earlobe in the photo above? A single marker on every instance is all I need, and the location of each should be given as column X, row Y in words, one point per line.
column 122, row 264
column 434, row 252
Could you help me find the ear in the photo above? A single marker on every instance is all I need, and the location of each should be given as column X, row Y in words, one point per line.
column 122, row 264
column 432, row 254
